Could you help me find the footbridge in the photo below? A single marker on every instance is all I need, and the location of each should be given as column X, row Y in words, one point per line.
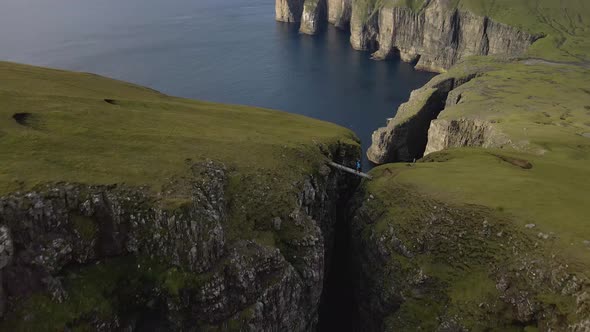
column 350, row 170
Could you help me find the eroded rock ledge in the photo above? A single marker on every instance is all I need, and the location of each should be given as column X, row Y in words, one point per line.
column 434, row 37
column 414, row 132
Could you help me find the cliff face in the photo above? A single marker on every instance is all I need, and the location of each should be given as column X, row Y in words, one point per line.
column 435, row 37
column 407, row 135
column 364, row 27
column 112, row 257
column 455, row 133
column 339, row 12
column 313, row 12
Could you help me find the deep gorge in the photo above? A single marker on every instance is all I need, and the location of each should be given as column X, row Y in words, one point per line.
column 338, row 309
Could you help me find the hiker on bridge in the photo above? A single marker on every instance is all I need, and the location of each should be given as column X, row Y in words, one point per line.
column 357, row 171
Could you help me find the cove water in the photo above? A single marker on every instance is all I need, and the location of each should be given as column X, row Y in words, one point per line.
column 229, row 51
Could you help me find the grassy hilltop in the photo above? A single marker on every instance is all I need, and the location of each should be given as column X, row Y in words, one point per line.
column 66, row 131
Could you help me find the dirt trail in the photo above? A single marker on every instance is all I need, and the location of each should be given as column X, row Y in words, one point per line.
column 536, row 61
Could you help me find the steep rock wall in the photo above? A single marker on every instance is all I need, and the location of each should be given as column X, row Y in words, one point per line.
column 314, row 12
column 164, row 258
column 364, row 27
column 339, row 12
column 463, row 132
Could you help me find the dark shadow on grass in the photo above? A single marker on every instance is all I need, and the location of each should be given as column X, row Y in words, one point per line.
column 22, row 119
column 524, row 164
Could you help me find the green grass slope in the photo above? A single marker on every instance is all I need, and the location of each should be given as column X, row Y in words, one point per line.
column 565, row 24
column 70, row 133
column 476, row 216
column 545, row 111
column 463, row 251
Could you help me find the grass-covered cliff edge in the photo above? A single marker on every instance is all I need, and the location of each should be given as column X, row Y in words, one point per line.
column 495, row 215
column 489, row 229
column 125, row 209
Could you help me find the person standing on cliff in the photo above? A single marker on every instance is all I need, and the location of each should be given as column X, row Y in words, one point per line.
column 358, row 166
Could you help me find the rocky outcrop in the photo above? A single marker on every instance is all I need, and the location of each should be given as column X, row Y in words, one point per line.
column 139, row 258
column 313, row 15
column 339, row 12
column 364, row 26
column 406, row 136
column 463, row 132
column 288, row 10
column 426, row 265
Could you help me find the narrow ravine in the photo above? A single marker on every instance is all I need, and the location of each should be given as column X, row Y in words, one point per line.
column 338, row 309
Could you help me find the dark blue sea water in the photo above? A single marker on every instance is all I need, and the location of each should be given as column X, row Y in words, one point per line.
column 229, row 51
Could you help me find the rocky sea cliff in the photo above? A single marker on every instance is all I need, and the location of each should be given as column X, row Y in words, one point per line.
column 434, row 38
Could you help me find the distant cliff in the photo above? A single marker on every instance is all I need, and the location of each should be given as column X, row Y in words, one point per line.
column 434, row 37
column 311, row 13
column 288, row 10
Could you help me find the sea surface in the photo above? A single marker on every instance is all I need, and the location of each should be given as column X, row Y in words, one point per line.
column 229, row 51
